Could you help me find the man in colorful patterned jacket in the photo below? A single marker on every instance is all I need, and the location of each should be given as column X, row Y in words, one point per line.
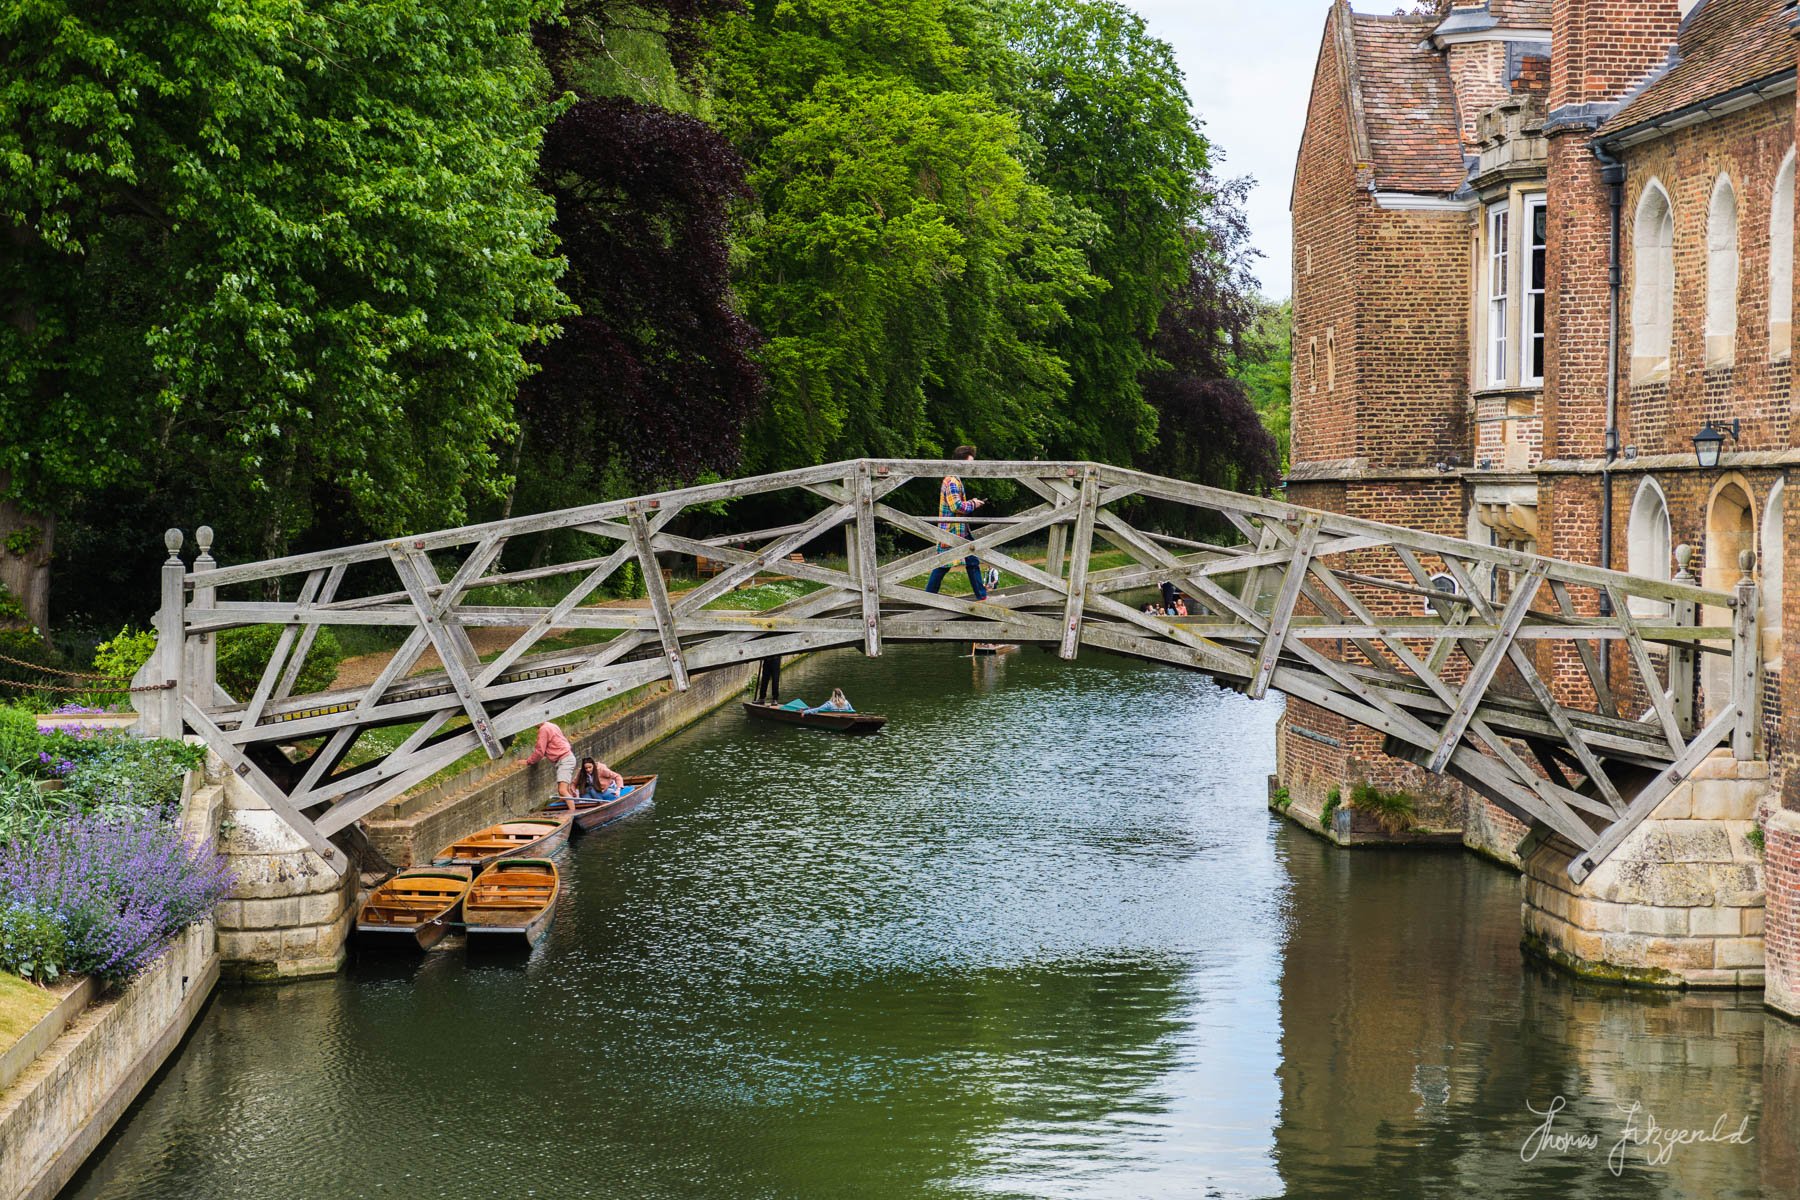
column 954, row 502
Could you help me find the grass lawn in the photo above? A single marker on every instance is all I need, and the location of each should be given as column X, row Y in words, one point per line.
column 22, row 1005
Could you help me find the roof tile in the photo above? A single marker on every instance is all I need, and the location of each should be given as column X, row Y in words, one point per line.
column 1725, row 44
column 1409, row 106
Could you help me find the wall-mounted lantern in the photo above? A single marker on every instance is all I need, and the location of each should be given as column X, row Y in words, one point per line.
column 1710, row 441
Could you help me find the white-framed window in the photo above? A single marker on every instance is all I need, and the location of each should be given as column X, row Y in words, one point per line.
column 1722, row 275
column 1653, row 284
column 1499, row 285
column 1648, row 553
column 1781, row 263
column 1533, row 272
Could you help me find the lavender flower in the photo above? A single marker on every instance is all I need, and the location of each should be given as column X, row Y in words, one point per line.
column 122, row 887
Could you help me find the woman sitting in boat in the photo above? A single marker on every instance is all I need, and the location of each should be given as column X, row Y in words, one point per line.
column 838, row 703
column 597, row 781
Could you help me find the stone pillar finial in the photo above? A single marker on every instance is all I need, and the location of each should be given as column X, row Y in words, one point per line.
column 203, row 538
column 173, row 540
column 1746, row 564
column 1684, row 554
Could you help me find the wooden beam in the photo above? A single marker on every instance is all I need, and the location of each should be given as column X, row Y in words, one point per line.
column 1540, row 691
column 308, row 633
column 1283, row 612
column 413, row 567
column 1655, row 792
column 278, row 657
column 1746, row 624
column 1646, row 668
column 659, row 600
column 1590, row 663
column 867, row 572
column 1081, row 553
column 1476, row 685
column 264, row 787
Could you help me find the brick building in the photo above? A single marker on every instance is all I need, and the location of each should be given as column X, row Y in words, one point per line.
column 1539, row 246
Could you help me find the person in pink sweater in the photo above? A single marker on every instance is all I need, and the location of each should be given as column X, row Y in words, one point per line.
column 553, row 745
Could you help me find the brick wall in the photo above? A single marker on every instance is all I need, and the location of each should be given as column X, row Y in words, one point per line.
column 1781, row 931
column 1412, row 387
column 1328, row 210
column 1749, row 147
column 1602, row 48
column 1577, row 302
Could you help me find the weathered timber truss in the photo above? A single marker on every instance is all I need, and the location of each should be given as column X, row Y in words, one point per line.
column 1564, row 693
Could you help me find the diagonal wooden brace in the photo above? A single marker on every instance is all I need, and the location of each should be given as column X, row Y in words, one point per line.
column 451, row 644
column 1476, row 685
column 659, row 600
column 1283, row 613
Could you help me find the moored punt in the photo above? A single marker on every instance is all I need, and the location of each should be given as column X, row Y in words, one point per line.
column 838, row 722
column 993, row 649
column 535, row 835
column 595, row 814
column 414, row 909
column 511, row 903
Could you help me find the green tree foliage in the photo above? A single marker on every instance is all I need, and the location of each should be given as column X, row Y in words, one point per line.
column 972, row 216
column 905, row 272
column 1263, row 364
column 296, row 248
column 1105, row 103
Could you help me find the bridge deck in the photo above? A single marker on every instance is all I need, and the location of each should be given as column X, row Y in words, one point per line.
column 1567, row 694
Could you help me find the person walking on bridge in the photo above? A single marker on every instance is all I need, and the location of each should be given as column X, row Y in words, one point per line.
column 553, row 745
column 954, row 502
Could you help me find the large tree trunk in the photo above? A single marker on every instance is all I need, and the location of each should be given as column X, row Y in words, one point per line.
column 26, row 541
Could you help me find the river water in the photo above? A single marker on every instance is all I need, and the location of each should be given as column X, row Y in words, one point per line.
column 1040, row 937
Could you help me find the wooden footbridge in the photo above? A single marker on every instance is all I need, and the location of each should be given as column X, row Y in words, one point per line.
column 1566, row 694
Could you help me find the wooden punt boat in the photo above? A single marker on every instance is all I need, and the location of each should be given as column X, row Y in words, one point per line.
column 535, row 836
column 511, row 903
column 994, row 649
column 837, row 722
column 414, row 909
column 596, row 814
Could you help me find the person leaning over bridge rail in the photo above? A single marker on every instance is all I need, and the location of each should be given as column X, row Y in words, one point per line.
column 553, row 745
column 954, row 502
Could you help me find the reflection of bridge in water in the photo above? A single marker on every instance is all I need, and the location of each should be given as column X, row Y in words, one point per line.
column 1529, row 679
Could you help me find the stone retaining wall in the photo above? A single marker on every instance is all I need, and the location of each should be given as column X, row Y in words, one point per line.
column 69, row 1098
column 413, row 827
column 1678, row 904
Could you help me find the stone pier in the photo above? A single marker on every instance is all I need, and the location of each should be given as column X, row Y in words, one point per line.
column 1679, row 904
column 290, row 913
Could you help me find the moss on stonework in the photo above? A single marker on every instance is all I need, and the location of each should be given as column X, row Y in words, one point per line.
column 1333, row 799
column 1644, row 977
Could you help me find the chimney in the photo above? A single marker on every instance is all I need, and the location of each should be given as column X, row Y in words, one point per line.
column 1604, row 48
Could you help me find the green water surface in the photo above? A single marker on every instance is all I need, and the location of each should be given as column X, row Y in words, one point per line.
column 1039, row 938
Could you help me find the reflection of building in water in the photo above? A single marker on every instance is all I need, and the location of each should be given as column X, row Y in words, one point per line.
column 1685, row 1060
column 1415, row 1039
column 1378, row 1021
column 1778, row 1131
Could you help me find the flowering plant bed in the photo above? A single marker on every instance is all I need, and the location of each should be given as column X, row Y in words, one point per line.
column 103, row 895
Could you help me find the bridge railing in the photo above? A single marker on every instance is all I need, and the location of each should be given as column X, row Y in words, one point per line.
column 1569, row 694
